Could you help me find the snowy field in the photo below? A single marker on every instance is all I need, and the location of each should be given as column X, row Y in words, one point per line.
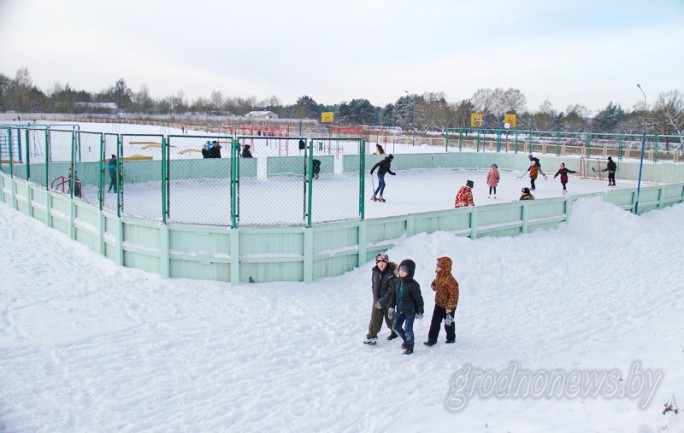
column 86, row 346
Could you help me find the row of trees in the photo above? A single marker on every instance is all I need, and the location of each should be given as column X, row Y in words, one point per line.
column 427, row 112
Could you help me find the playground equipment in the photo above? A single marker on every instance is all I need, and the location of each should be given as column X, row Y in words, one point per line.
column 63, row 184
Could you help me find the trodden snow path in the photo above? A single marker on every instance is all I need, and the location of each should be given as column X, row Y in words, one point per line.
column 87, row 346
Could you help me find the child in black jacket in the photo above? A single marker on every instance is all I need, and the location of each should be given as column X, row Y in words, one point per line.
column 405, row 300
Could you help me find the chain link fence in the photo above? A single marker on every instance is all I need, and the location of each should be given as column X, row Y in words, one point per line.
column 198, row 185
column 213, row 180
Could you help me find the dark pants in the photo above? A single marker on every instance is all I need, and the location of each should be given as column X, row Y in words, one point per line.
column 377, row 315
column 112, row 180
column 564, row 183
column 438, row 316
column 611, row 178
column 492, row 188
column 532, row 179
column 403, row 325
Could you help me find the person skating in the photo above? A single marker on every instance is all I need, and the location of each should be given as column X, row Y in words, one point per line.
column 611, row 168
column 536, row 161
column 464, row 196
column 383, row 167
column 405, row 299
column 493, row 178
column 446, row 302
column 563, row 171
column 533, row 170
column 383, row 274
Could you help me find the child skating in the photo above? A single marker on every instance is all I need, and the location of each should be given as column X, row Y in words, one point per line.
column 563, row 171
column 493, row 180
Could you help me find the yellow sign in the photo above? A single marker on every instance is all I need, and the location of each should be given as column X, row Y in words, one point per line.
column 510, row 120
column 475, row 119
column 328, row 116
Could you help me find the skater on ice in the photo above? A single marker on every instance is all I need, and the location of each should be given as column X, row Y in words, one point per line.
column 536, row 162
column 533, row 170
column 611, row 167
column 493, row 179
column 383, row 167
column 563, row 171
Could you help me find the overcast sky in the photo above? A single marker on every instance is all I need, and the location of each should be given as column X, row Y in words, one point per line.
column 590, row 52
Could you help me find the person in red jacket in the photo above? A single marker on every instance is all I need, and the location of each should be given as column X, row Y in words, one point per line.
column 445, row 287
column 464, row 196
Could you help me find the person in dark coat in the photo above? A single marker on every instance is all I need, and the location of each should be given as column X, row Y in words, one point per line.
column 112, row 168
column 205, row 150
column 526, row 194
column 445, row 287
column 383, row 167
column 383, row 274
column 405, row 303
column 316, row 164
column 611, row 168
column 215, row 151
column 564, row 175
column 246, row 153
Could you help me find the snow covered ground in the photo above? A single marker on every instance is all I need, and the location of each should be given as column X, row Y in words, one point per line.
column 86, row 346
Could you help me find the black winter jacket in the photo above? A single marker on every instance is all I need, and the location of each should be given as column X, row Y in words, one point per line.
column 383, row 167
column 381, row 280
column 404, row 293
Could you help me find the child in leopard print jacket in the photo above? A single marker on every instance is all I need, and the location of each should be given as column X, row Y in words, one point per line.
column 446, row 302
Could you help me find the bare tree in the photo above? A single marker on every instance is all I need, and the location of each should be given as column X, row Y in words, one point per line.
column 669, row 114
column 217, row 100
column 22, row 89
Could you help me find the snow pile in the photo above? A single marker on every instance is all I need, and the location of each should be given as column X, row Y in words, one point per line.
column 87, row 346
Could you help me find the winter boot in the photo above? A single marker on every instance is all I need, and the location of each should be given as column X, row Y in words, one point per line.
column 381, row 199
column 430, row 343
column 371, row 341
column 404, row 345
column 409, row 349
column 392, row 336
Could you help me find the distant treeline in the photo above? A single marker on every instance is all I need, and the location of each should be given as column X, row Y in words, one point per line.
column 427, row 112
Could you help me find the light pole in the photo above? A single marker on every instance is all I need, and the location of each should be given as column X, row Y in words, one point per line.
column 643, row 146
column 413, row 116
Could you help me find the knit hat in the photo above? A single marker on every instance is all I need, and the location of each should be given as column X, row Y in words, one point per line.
column 469, row 183
column 382, row 258
column 391, row 156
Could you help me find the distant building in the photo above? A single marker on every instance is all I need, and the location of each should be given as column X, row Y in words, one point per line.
column 262, row 115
